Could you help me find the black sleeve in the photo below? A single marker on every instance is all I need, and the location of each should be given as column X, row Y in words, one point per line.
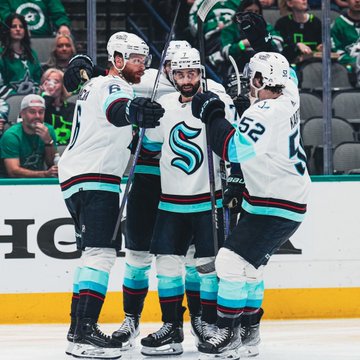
column 235, row 168
column 221, row 131
column 116, row 112
column 99, row 71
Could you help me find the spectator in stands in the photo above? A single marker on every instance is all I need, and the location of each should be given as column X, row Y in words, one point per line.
column 219, row 17
column 28, row 145
column 58, row 112
column 345, row 35
column 267, row 3
column 4, row 113
column 20, row 70
column 44, row 17
column 301, row 32
column 234, row 42
column 62, row 52
column 339, row 5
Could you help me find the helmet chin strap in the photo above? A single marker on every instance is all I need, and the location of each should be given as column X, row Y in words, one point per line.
column 256, row 89
column 119, row 70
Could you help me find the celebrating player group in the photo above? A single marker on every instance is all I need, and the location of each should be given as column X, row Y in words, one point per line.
column 186, row 134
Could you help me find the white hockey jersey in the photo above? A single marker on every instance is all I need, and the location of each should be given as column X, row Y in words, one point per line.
column 267, row 144
column 150, row 164
column 98, row 153
column 184, row 164
column 146, row 85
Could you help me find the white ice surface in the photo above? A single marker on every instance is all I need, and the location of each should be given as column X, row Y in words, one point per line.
column 281, row 340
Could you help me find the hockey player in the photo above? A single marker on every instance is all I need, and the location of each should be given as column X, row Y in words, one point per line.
column 142, row 206
column 184, row 213
column 140, row 219
column 90, row 173
column 267, row 144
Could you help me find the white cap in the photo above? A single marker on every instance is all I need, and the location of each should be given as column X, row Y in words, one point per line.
column 32, row 100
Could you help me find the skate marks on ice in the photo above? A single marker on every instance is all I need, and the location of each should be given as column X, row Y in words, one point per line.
column 281, row 340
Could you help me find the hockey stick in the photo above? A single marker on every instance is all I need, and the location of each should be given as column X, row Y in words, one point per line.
column 142, row 131
column 237, row 73
column 226, row 210
column 203, row 11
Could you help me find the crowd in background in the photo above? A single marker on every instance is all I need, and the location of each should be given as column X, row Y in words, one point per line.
column 296, row 34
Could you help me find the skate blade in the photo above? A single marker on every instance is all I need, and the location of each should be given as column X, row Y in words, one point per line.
column 69, row 348
column 248, row 351
column 130, row 344
column 169, row 349
column 85, row 351
column 230, row 354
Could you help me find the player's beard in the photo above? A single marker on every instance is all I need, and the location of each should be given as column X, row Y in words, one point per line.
column 133, row 77
column 189, row 92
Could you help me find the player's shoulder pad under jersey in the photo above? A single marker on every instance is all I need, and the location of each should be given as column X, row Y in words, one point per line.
column 216, row 87
column 169, row 100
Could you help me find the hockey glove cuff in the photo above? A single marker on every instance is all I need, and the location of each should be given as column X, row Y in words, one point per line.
column 206, row 106
column 241, row 103
column 144, row 113
column 72, row 76
column 232, row 196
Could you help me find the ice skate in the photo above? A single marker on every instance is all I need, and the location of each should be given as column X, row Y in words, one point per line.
column 250, row 334
column 127, row 332
column 224, row 344
column 196, row 329
column 166, row 341
column 70, row 339
column 208, row 330
column 91, row 343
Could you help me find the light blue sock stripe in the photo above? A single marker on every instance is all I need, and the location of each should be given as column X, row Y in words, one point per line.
column 208, row 295
column 234, row 304
column 136, row 277
column 89, row 285
column 136, row 284
column 192, row 286
column 255, row 292
column 171, row 292
column 168, row 282
column 76, row 280
column 170, row 286
column 93, row 279
column 209, row 287
column 254, row 303
column 232, row 294
column 192, row 279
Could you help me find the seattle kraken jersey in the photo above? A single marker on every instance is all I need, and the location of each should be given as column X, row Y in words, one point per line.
column 98, row 153
column 183, row 164
column 266, row 142
column 150, row 164
column 145, row 87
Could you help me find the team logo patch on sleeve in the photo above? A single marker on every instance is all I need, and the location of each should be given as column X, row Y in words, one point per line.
column 190, row 156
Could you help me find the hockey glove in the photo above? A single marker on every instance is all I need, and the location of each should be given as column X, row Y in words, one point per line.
column 144, row 113
column 232, row 196
column 255, row 28
column 241, row 103
column 205, row 105
column 72, row 76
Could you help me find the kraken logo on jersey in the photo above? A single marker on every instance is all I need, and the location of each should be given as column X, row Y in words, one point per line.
column 190, row 155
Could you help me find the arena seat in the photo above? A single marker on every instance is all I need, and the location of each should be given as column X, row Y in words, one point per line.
column 346, row 158
column 310, row 105
column 14, row 102
column 346, row 104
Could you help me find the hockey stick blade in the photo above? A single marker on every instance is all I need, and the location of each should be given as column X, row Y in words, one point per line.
column 205, row 7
